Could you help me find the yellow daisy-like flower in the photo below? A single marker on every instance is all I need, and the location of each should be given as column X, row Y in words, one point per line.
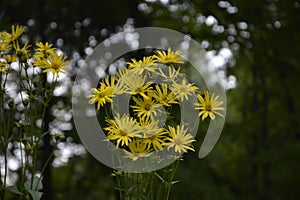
column 179, row 139
column 14, row 35
column 122, row 129
column 183, row 90
column 100, row 96
column 10, row 58
column 171, row 75
column 147, row 64
column 164, row 96
column 146, row 107
column 3, row 66
column 169, row 57
column 209, row 105
column 4, row 46
column 45, row 47
column 44, row 50
column 122, row 72
column 5, row 62
column 132, row 83
column 55, row 63
column 38, row 61
column 138, row 149
column 22, row 53
column 103, row 94
column 109, row 81
column 153, row 135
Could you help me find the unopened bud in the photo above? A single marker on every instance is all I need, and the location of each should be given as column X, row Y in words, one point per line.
column 10, row 103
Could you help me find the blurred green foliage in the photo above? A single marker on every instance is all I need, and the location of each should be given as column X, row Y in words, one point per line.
column 257, row 156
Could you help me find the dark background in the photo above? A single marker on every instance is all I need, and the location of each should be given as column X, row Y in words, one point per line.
column 257, row 156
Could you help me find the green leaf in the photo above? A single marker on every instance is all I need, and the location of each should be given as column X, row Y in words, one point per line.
column 174, row 182
column 14, row 190
column 36, row 195
column 129, row 190
column 36, row 186
column 120, row 189
column 160, row 178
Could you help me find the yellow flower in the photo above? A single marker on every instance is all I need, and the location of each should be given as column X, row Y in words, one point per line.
column 169, row 57
column 183, row 90
column 4, row 46
column 38, row 60
column 3, row 66
column 109, row 81
column 122, row 72
column 103, row 94
column 147, row 64
column 122, row 129
column 44, row 47
column 132, row 83
column 55, row 63
column 10, row 58
column 22, row 53
column 138, row 149
column 164, row 96
column 146, row 107
column 44, row 50
column 179, row 139
column 100, row 95
column 209, row 105
column 5, row 62
column 153, row 135
column 15, row 34
column 172, row 74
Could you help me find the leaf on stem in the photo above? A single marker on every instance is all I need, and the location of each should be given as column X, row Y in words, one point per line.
column 34, row 190
column 129, row 190
column 160, row 178
column 14, row 189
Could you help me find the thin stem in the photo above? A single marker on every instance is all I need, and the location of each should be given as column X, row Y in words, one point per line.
column 118, row 179
column 151, row 181
column 36, row 142
column 5, row 155
column 6, row 131
column 5, row 80
column 170, row 184
column 33, row 165
column 44, row 167
column 5, row 175
column 161, row 185
column 23, row 168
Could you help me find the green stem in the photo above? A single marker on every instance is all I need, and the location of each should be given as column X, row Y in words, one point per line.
column 151, row 185
column 6, row 132
column 23, row 168
column 118, row 179
column 5, row 175
column 170, row 184
column 161, row 184
column 36, row 142
column 33, row 165
column 44, row 167
column 138, row 182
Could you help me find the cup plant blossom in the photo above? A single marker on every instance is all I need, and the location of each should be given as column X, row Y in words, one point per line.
column 140, row 133
column 25, row 95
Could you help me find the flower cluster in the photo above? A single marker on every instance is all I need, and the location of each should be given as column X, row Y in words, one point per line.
column 25, row 95
column 156, row 88
column 45, row 56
